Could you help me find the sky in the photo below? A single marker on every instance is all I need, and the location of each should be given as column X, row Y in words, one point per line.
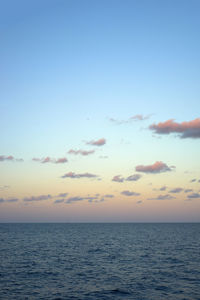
column 100, row 111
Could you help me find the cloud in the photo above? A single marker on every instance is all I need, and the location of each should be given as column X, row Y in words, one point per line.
column 118, row 178
column 99, row 142
column 103, row 156
column 193, row 196
column 163, row 188
column 157, row 167
column 10, row 158
column 138, row 202
column 82, row 175
column 193, row 180
column 188, row 190
column 38, row 198
column 78, row 198
column 138, row 117
column 109, row 196
column 50, row 160
column 176, row 190
column 62, row 195
column 190, row 129
column 128, row 193
column 81, row 152
column 12, row 200
column 59, row 201
column 4, row 187
column 61, row 160
column 162, row 197
column 133, row 177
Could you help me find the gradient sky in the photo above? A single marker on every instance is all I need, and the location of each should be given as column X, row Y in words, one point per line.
column 100, row 111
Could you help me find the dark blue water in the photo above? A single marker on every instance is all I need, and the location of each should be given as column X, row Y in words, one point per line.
column 100, row 261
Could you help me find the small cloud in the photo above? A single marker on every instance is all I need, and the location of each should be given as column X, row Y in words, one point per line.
column 82, row 175
column 59, row 201
column 176, row 190
column 118, row 178
column 81, row 152
column 50, row 160
column 133, row 177
column 12, row 200
column 139, row 202
column 140, row 117
column 109, row 196
column 162, row 197
column 4, row 187
column 193, row 196
column 62, row 195
column 10, row 158
column 188, row 190
column 163, row 188
column 103, row 156
column 61, row 160
column 128, row 193
column 99, row 142
column 190, row 129
column 2, row 200
column 157, row 167
column 193, row 180
column 37, row 198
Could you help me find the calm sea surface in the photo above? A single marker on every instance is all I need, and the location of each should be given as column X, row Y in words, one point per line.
column 100, row 261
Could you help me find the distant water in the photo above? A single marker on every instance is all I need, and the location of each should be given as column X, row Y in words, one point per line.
column 100, row 261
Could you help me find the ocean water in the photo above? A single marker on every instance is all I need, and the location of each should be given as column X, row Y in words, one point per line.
column 100, row 261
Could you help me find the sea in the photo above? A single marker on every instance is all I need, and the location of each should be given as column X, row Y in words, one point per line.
column 100, row 261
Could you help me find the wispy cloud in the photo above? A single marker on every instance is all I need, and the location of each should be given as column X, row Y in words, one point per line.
column 190, row 129
column 109, row 196
column 48, row 159
column 162, row 197
column 57, row 201
column 90, row 199
column 81, row 175
column 37, row 198
column 176, row 190
column 10, row 158
column 99, row 142
column 62, row 195
column 138, row 117
column 81, row 152
column 9, row 200
column 128, row 193
column 157, row 167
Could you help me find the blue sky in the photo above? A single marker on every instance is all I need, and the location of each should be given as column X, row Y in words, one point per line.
column 67, row 67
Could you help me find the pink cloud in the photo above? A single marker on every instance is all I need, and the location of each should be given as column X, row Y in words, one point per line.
column 61, row 160
column 157, row 167
column 99, row 142
column 10, row 158
column 190, row 129
column 81, row 152
column 50, row 160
